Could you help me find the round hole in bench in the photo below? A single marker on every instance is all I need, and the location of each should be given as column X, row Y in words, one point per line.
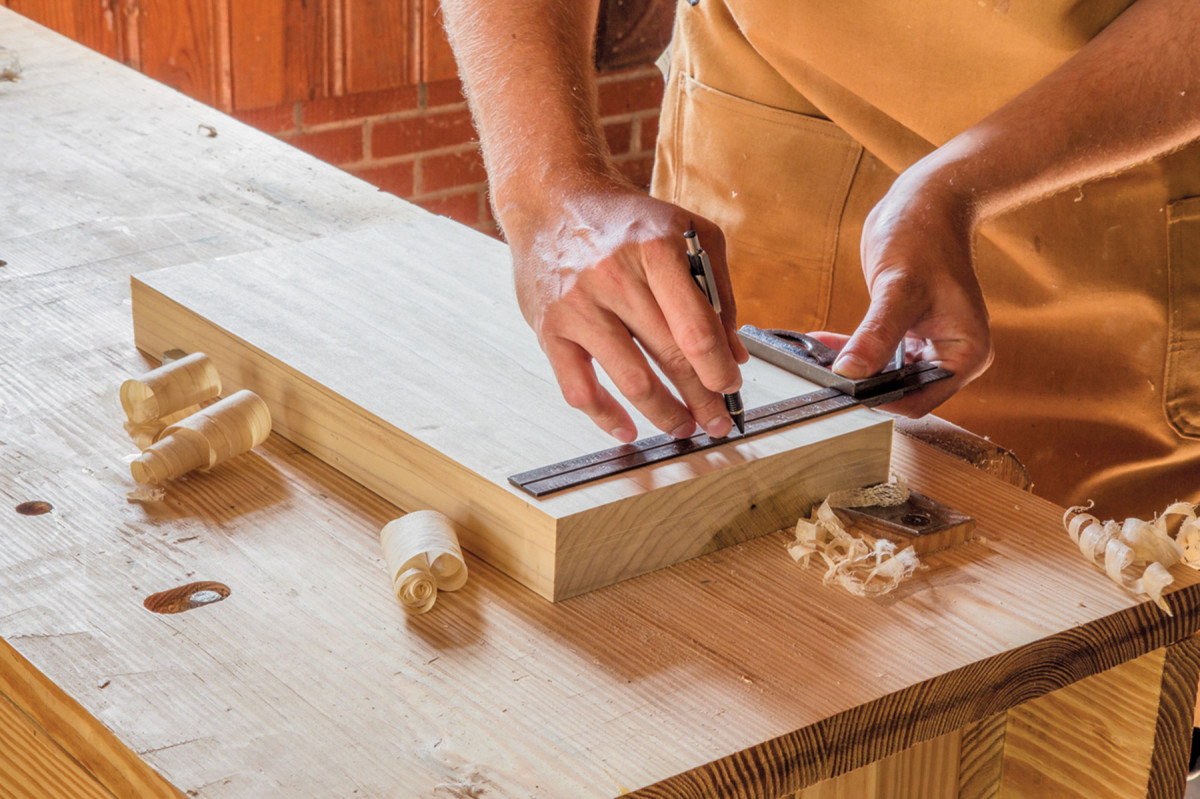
column 186, row 597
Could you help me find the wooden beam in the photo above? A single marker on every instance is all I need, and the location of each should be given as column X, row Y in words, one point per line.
column 981, row 759
column 34, row 766
column 399, row 355
column 61, row 743
column 1091, row 740
column 1173, row 732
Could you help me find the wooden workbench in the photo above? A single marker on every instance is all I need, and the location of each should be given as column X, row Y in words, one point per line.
column 1008, row 667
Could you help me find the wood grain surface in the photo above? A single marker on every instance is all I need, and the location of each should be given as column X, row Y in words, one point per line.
column 1171, row 759
column 981, row 758
column 34, row 766
column 735, row 673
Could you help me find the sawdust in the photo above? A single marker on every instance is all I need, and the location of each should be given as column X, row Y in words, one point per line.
column 147, row 494
column 10, row 67
column 862, row 565
column 1136, row 554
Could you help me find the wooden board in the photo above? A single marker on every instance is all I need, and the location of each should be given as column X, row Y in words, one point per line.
column 398, row 355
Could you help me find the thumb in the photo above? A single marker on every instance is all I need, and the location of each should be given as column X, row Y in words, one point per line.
column 874, row 343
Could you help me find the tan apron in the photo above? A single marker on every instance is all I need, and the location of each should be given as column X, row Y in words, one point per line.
column 785, row 121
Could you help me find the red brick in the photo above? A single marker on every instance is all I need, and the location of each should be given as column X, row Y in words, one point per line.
column 338, row 146
column 462, row 208
column 428, row 132
column 359, row 105
column 641, row 91
column 444, row 92
column 638, row 169
column 449, row 170
column 490, row 228
column 618, row 135
column 272, row 119
column 395, row 178
column 649, row 133
column 487, row 222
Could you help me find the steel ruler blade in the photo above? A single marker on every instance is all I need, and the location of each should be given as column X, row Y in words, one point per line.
column 605, row 463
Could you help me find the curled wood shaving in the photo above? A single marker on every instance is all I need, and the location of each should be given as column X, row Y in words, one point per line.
column 863, row 565
column 174, row 417
column 1136, row 553
column 423, row 557
column 208, row 437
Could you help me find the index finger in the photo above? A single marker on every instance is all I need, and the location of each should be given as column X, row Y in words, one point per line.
column 701, row 335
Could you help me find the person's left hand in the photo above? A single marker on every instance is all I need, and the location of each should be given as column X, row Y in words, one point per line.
column 918, row 264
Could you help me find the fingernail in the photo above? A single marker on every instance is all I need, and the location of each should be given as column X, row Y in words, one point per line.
column 622, row 434
column 718, row 427
column 684, row 430
column 852, row 366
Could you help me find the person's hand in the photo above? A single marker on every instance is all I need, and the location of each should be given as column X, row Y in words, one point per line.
column 608, row 271
column 918, row 264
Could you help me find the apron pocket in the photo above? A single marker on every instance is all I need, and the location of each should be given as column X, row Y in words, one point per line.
column 776, row 182
column 1182, row 392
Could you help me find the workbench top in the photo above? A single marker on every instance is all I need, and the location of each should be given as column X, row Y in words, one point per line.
column 734, row 673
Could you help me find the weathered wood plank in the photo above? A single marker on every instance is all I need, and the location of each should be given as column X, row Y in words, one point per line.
column 380, row 41
column 97, row 25
column 437, row 59
column 179, row 42
column 280, row 52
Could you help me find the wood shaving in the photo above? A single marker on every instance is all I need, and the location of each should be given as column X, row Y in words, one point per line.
column 10, row 66
column 863, row 565
column 1136, row 554
column 147, row 494
column 423, row 557
column 174, row 417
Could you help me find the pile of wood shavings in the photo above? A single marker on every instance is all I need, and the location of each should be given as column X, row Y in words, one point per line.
column 1136, row 554
column 862, row 565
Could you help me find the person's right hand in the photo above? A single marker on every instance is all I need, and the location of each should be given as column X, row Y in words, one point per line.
column 608, row 271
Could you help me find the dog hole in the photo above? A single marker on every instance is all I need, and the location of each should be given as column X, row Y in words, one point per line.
column 186, row 597
column 34, row 507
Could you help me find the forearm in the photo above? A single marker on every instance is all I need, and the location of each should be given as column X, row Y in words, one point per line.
column 1130, row 95
column 527, row 69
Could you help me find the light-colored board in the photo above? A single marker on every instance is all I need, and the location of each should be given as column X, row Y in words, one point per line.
column 53, row 747
column 1172, row 757
column 928, row 770
column 1093, row 740
column 33, row 766
column 398, row 355
column 735, row 669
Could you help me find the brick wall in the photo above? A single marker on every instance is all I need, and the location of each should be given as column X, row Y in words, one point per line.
column 418, row 142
